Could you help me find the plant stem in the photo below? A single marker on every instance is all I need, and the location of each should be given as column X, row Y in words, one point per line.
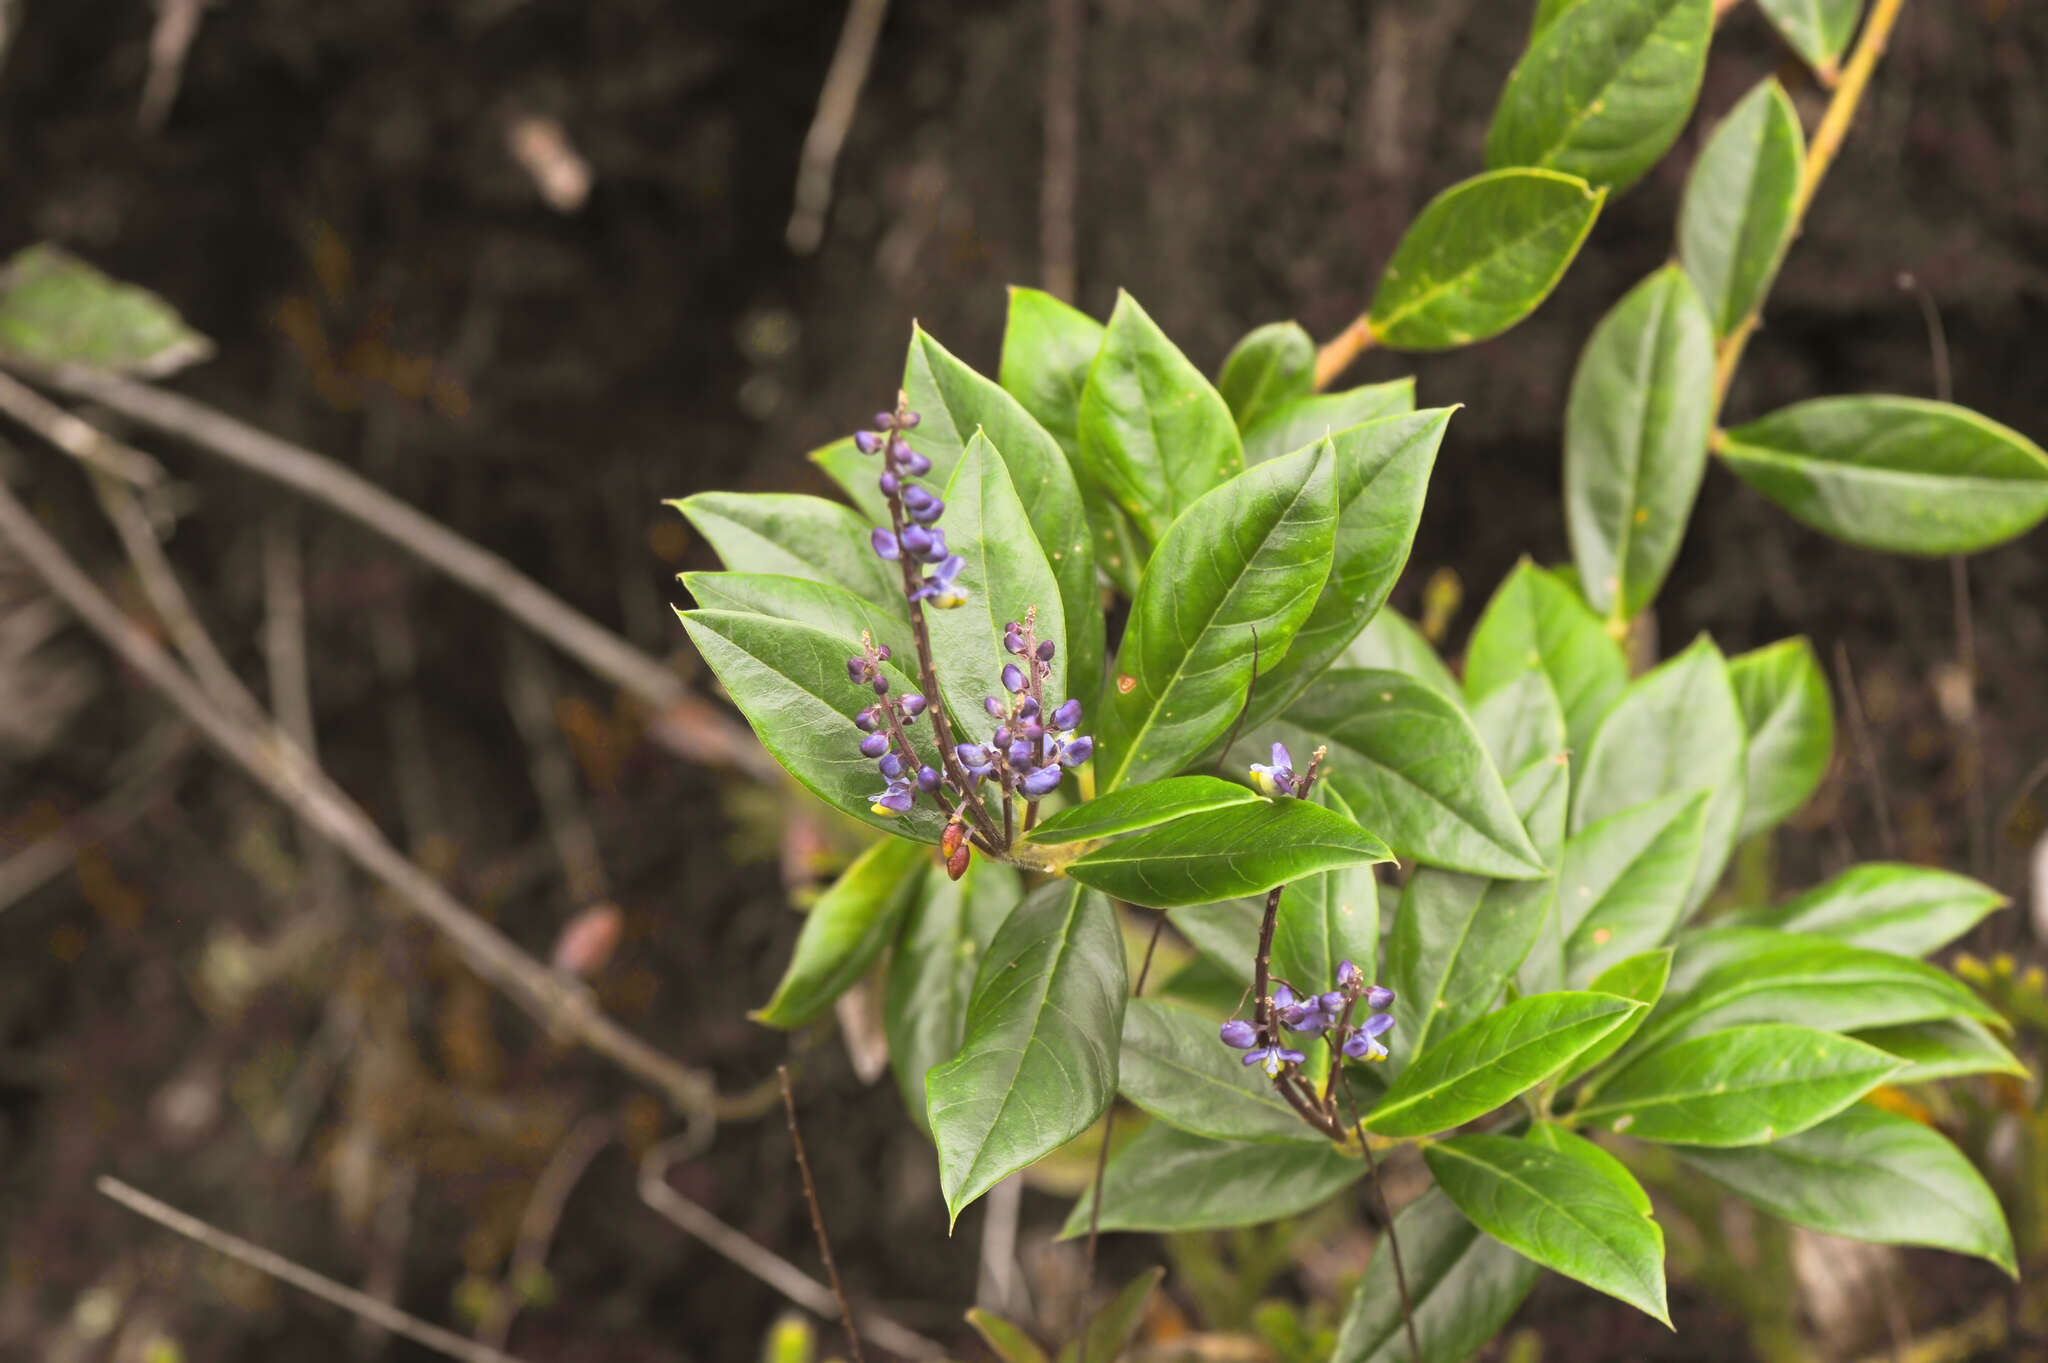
column 1336, row 355
column 1820, row 155
column 1379, row 1193
column 803, row 1165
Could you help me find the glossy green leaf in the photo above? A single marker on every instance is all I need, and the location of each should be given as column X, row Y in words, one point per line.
column 1226, row 933
column 952, row 402
column 1869, row 1175
column 1547, row 12
column 1640, row 978
column 1039, row 1064
column 1408, row 761
column 1898, row 474
column 1625, row 881
column 845, row 931
column 1791, row 723
column 1736, row 219
column 1327, row 919
column 1109, row 1331
column 1635, row 440
column 1563, row 1213
column 794, row 535
column 1604, row 89
column 1495, row 1059
column 1463, row 1285
column 1176, row 1068
column 1227, row 853
column 1572, row 1145
column 1459, row 939
column 1120, row 551
column 1005, row 1338
column 931, row 972
column 1206, row 985
column 1677, row 728
column 1742, row 1086
column 1942, row 1050
column 1888, row 906
column 1480, row 257
column 1047, row 350
column 57, row 310
column 1167, row 1179
column 1004, row 574
column 1250, row 557
column 854, row 474
column 1154, row 435
column 1271, row 367
column 1818, row 30
column 1537, row 621
column 1382, row 470
column 1390, row 642
column 1547, row 782
column 790, row 681
column 1521, row 721
column 822, row 606
column 1135, row 807
column 1308, row 419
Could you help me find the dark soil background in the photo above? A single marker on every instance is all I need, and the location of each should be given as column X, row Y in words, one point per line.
column 331, row 199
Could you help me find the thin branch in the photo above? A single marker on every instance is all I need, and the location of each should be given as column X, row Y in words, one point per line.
column 530, row 696
column 1335, row 355
column 291, row 680
column 837, row 100
column 283, row 769
column 82, row 441
column 359, row 1304
column 51, row 855
column 1059, row 174
column 1866, row 749
column 544, row 1208
column 1379, row 1193
column 803, row 1166
column 771, row 1268
column 686, row 724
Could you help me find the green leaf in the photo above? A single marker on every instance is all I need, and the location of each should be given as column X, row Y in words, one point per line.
column 1736, row 220
column 1942, row 1050
column 1480, row 257
column 1039, row 1064
column 931, row 973
column 1572, row 1145
column 1536, row 621
column 1408, row 760
column 1176, row 1068
column 1520, row 721
column 790, row 681
column 1135, row 807
column 794, row 535
column 56, row 310
column 1226, row 933
column 1327, row 919
column 1167, row 1179
column 1677, row 727
column 1459, row 939
column 1109, row 1331
column 1641, row 978
column 1563, row 1213
column 1635, row 440
column 1154, row 435
column 1765, row 976
column 1227, row 853
column 1382, row 470
column 1005, row 1338
column 1004, row 574
column 1206, row 985
column 1887, row 906
column 1625, row 880
column 1791, row 724
column 1743, row 1086
column 1120, row 551
column 1463, row 1285
column 1494, row 1060
column 1270, row 368
column 1818, row 30
column 1047, row 349
column 1897, row 474
column 1604, row 89
column 1391, row 643
column 854, row 474
column 1869, row 1175
column 822, row 606
column 1308, row 419
column 1250, row 557
column 1541, row 791
column 1547, row 12
column 952, row 401
column 845, row 931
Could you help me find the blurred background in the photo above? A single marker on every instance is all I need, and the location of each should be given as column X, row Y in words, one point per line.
column 527, row 264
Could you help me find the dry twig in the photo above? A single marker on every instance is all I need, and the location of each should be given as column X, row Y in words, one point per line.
column 803, row 1167
column 585, row 1141
column 1866, row 749
column 1059, row 179
column 836, row 103
column 51, row 855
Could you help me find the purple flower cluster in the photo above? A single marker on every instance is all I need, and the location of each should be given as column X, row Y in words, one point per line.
column 1277, row 778
column 1030, row 748
column 913, row 536
column 883, row 727
column 1317, row 1015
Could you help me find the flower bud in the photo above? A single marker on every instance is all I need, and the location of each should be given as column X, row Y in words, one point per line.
column 1027, row 708
column 874, row 745
column 908, row 420
column 1046, row 649
column 1041, row 783
column 928, row 779
column 913, row 463
column 1067, row 716
column 993, row 706
column 885, row 545
column 951, row 840
column 884, row 420
column 1021, row 752
column 1239, row 1034
column 892, row 765
column 916, row 540
column 857, row 669
column 889, row 483
column 867, row 442
column 937, row 554
column 1002, row 736
column 899, row 449
column 1379, row 997
column 1349, row 976
column 913, row 705
column 1078, row 752
column 957, row 859
column 881, row 683
column 868, row 720
column 1013, row 678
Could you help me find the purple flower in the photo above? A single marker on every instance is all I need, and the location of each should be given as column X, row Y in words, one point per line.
column 1013, row 637
column 894, row 801
column 1075, row 752
column 1272, row 1059
column 889, row 483
column 1068, row 716
column 885, row 421
column 975, row 758
column 857, row 669
column 874, row 745
column 1046, row 650
column 1349, row 976
column 1013, row 678
column 1021, row 752
column 1378, row 997
column 1364, row 1044
column 993, row 706
column 913, row 463
column 881, row 683
column 937, row 552
column 924, row 508
column 1239, row 1035
column 916, row 540
column 928, row 779
column 899, row 449
column 885, row 544
column 1278, row 778
column 938, row 586
column 867, row 442
column 870, row 719
column 908, row 420
column 1041, row 783
column 1027, row 708
column 913, row 705
column 892, row 765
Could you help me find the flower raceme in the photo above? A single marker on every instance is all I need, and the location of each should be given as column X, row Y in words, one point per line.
column 1327, row 1014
